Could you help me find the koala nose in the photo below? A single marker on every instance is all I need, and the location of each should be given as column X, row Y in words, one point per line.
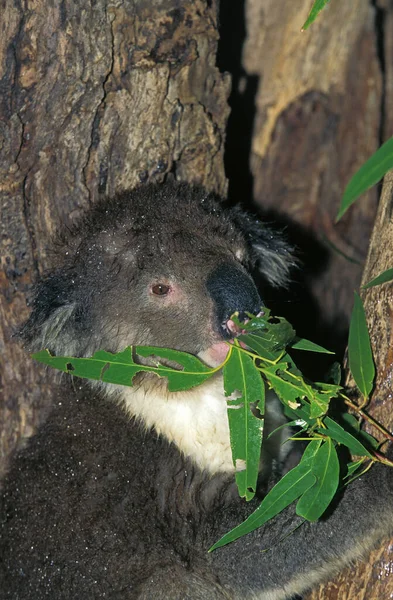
column 232, row 290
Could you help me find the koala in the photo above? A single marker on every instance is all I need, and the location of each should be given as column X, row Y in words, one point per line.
column 123, row 490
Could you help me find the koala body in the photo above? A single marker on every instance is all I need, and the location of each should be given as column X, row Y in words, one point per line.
column 123, row 490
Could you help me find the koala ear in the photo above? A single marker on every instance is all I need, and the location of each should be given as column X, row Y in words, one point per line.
column 269, row 250
column 51, row 324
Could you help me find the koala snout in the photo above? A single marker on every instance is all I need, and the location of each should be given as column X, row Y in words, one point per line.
column 232, row 290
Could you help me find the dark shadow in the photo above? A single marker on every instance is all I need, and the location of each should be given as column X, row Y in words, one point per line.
column 241, row 101
column 297, row 303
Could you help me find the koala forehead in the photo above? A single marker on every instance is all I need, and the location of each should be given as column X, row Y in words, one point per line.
column 158, row 225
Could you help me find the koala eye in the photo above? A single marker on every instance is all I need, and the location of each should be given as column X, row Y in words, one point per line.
column 160, row 289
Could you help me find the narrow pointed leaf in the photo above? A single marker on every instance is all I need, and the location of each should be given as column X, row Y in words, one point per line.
column 245, row 389
column 302, row 344
column 314, row 12
column 340, row 435
column 360, row 357
column 288, row 489
column 322, row 395
column 383, row 277
column 368, row 175
column 325, row 467
column 333, row 374
column 353, row 469
column 353, row 426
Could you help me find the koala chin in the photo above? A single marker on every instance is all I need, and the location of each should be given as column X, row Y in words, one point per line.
column 122, row 490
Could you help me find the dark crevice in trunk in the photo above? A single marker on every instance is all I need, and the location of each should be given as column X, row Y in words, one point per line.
column 242, row 102
column 379, row 23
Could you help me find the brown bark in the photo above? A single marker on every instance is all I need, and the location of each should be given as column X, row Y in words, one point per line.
column 318, row 119
column 372, row 579
column 95, row 97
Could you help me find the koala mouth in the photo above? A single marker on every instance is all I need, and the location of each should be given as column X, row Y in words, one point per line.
column 215, row 354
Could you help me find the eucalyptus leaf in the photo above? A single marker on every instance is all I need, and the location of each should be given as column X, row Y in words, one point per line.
column 291, row 388
column 383, row 277
column 352, row 425
column 333, row 374
column 263, row 345
column 289, row 488
column 245, row 390
column 368, row 175
column 121, row 368
column 306, row 345
column 353, row 467
column 314, row 12
column 326, row 469
column 339, row 434
column 360, row 357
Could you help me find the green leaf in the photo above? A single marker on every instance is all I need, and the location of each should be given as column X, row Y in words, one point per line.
column 339, row 434
column 368, row 175
column 325, row 468
column 311, row 450
column 121, row 368
column 353, row 467
column 291, row 388
column 314, row 12
column 323, row 393
column 353, row 426
column 302, row 344
column 288, row 489
column 302, row 412
column 262, row 344
column 267, row 336
column 245, row 389
column 383, row 277
column 350, row 421
column 360, row 357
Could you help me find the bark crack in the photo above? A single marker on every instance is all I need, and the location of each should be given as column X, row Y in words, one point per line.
column 379, row 25
column 100, row 106
column 14, row 110
column 29, row 227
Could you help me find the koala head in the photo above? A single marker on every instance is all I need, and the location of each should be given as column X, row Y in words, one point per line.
column 163, row 265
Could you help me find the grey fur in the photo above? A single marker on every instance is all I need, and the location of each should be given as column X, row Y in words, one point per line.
column 97, row 505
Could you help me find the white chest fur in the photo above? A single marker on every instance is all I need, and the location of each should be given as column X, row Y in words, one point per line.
column 195, row 420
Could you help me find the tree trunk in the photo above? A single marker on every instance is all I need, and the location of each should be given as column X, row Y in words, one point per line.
column 96, row 97
column 372, row 579
column 318, row 118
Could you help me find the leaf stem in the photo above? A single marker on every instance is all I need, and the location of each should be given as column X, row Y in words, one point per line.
column 367, row 417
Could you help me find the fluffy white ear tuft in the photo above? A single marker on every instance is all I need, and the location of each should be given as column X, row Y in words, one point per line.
column 270, row 252
column 274, row 264
column 57, row 321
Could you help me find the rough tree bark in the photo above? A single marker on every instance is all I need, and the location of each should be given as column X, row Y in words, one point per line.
column 318, row 116
column 95, row 97
column 372, row 579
